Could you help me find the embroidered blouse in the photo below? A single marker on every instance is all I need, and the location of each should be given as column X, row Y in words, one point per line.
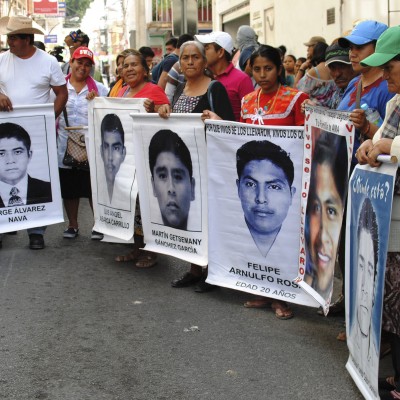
column 282, row 107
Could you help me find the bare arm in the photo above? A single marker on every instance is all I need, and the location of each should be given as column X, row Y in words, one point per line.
column 162, row 82
column 302, row 71
column 61, row 93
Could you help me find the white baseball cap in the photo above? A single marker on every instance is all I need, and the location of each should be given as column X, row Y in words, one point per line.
column 223, row 39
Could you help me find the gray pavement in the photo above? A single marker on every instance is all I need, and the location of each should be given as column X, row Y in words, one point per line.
column 77, row 325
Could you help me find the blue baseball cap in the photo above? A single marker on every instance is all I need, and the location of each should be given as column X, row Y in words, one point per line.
column 363, row 33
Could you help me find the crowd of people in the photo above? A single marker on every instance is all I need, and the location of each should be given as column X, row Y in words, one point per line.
column 253, row 83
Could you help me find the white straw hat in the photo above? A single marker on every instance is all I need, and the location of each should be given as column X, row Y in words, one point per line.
column 19, row 25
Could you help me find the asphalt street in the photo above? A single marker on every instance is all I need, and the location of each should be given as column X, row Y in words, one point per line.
column 77, row 325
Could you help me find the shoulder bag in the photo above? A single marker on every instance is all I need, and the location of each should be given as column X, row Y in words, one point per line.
column 75, row 154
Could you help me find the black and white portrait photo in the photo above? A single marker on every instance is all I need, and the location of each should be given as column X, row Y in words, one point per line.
column 30, row 193
column 172, row 178
column 265, row 189
column 17, row 186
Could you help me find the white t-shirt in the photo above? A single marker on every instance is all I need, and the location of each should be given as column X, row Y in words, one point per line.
column 28, row 81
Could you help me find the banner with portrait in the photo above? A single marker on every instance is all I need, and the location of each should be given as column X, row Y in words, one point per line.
column 328, row 147
column 367, row 237
column 172, row 179
column 254, row 181
column 112, row 165
column 29, row 182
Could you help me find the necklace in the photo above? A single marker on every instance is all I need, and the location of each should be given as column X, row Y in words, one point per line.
column 259, row 111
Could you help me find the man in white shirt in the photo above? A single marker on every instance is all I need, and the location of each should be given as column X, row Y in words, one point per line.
column 27, row 76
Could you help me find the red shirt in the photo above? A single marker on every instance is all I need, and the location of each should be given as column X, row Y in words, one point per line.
column 148, row 91
column 237, row 84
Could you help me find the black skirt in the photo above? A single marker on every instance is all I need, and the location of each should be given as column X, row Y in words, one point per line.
column 75, row 183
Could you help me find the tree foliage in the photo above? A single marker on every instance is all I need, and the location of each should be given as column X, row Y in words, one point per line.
column 76, row 8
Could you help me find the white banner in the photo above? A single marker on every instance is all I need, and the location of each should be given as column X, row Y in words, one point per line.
column 328, row 147
column 254, row 181
column 112, row 165
column 29, row 182
column 172, row 178
column 367, row 236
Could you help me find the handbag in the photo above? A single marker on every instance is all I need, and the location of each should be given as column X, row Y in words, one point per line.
column 75, row 154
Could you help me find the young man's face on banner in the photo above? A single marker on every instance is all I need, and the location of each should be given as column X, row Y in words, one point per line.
column 266, row 196
column 14, row 160
column 174, row 189
column 113, row 153
column 325, row 223
column 365, row 281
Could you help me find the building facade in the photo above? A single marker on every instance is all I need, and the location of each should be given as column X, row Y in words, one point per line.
column 293, row 22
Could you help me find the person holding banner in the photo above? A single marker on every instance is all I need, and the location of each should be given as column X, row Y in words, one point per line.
column 273, row 103
column 75, row 183
column 29, row 76
column 372, row 88
column 135, row 73
column 198, row 94
column 387, row 141
column 367, row 88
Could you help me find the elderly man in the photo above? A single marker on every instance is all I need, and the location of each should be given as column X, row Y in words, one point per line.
column 27, row 76
column 339, row 64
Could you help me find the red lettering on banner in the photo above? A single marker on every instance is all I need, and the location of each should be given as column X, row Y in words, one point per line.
column 301, row 270
column 349, row 127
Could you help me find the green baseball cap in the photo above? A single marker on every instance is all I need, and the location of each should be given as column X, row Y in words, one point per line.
column 387, row 47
